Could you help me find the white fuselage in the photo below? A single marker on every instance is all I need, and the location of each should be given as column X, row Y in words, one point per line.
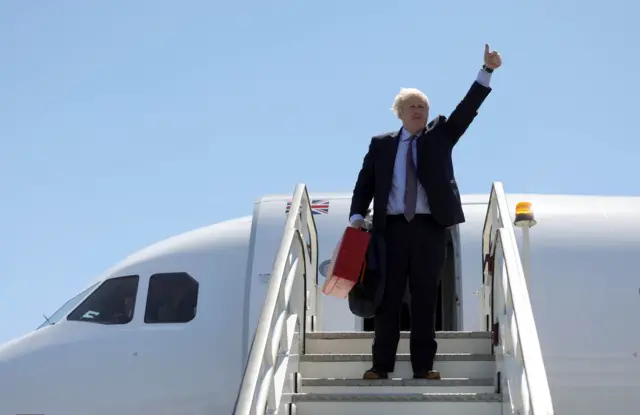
column 583, row 286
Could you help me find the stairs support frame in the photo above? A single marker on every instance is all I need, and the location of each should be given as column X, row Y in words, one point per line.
column 289, row 311
column 507, row 303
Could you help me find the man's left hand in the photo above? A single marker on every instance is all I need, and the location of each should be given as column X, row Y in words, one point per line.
column 492, row 60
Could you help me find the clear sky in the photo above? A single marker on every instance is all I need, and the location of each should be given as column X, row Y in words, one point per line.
column 124, row 122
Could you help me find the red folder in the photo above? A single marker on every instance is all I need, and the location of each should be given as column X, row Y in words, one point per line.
column 347, row 262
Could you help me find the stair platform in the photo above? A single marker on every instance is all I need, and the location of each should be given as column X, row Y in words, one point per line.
column 404, row 403
column 352, row 366
column 360, row 342
column 396, row 385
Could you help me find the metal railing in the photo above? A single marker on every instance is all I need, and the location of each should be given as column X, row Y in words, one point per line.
column 507, row 305
column 290, row 299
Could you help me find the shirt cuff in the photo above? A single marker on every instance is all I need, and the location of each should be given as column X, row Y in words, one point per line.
column 355, row 218
column 484, row 78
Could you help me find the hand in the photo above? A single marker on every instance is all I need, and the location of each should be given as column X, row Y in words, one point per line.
column 492, row 60
column 358, row 224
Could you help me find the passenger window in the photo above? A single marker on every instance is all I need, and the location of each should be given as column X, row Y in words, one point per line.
column 113, row 302
column 172, row 298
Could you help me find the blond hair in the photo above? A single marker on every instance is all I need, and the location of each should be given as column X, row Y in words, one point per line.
column 404, row 95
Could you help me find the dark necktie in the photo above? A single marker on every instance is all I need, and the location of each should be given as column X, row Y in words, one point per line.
column 411, row 186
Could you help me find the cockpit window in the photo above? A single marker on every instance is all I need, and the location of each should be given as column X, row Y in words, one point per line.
column 66, row 307
column 112, row 303
column 172, row 298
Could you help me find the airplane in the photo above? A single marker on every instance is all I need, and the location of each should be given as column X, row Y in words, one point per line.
column 171, row 328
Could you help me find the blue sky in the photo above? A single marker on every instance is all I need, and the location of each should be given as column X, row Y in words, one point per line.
column 122, row 123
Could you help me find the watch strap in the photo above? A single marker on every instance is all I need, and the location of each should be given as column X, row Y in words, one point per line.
column 487, row 69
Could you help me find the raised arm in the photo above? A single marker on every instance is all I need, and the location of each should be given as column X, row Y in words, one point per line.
column 364, row 187
column 465, row 112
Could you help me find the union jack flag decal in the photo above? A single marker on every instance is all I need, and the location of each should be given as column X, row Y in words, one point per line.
column 318, row 207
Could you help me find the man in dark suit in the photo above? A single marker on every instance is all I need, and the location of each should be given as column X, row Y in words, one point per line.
column 409, row 175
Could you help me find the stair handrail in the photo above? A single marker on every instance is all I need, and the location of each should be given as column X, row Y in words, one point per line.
column 257, row 391
column 511, row 313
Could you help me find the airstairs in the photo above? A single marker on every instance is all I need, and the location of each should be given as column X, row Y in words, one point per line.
column 295, row 368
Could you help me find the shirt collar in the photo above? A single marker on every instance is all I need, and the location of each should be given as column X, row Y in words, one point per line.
column 404, row 134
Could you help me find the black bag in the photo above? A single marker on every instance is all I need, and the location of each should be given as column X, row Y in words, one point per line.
column 366, row 295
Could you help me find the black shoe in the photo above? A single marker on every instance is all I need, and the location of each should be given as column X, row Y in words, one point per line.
column 374, row 374
column 431, row 374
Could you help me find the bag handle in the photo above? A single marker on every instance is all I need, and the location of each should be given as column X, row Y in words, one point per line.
column 364, row 268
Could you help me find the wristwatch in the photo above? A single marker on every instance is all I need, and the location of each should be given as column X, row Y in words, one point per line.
column 486, row 69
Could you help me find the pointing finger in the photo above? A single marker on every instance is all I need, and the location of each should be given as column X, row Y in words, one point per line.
column 486, row 48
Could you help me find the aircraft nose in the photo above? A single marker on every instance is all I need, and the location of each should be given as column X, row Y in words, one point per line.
column 53, row 371
column 35, row 376
column 14, row 392
column 20, row 384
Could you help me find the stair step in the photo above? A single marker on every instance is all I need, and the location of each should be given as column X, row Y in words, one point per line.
column 334, row 363
column 405, row 403
column 398, row 385
column 360, row 342
column 352, row 365
column 403, row 334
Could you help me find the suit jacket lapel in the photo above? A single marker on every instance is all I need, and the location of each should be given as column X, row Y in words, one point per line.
column 395, row 139
column 393, row 149
column 389, row 162
column 424, row 136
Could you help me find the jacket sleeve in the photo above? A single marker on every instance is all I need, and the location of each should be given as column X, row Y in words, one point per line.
column 365, row 185
column 465, row 112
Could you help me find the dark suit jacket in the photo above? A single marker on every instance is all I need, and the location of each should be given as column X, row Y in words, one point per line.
column 435, row 165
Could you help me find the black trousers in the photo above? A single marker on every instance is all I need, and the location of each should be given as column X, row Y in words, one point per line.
column 415, row 253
